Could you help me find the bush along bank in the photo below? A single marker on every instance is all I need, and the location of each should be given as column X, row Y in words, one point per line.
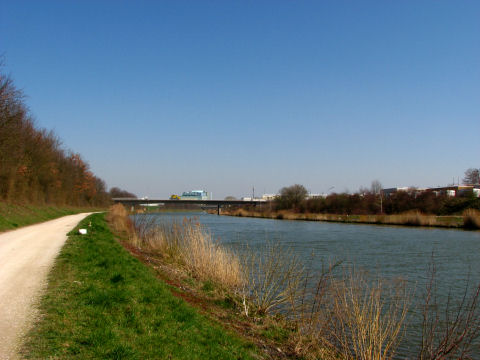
column 273, row 298
column 102, row 303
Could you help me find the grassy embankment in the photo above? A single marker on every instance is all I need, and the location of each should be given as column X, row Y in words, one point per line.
column 13, row 216
column 470, row 219
column 103, row 303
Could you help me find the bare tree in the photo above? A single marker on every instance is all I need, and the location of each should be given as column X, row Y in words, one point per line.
column 472, row 177
column 376, row 187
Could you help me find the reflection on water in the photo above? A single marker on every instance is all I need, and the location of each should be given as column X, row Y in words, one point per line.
column 391, row 252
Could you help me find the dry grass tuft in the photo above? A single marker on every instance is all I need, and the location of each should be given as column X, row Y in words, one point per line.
column 191, row 246
column 117, row 216
column 413, row 218
column 273, row 279
column 471, row 219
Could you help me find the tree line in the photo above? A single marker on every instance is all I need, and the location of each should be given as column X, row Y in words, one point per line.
column 34, row 167
column 372, row 201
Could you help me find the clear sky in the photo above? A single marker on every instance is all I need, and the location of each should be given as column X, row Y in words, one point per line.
column 166, row 96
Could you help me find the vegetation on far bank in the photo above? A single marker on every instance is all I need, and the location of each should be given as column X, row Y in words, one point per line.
column 13, row 216
column 102, row 303
column 469, row 220
column 373, row 202
column 370, row 206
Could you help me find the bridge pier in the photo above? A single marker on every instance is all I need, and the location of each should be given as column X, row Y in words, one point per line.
column 218, row 209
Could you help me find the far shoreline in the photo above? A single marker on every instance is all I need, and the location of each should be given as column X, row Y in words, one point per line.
column 410, row 219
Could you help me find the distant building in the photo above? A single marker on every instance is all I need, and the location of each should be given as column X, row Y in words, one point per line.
column 454, row 190
column 391, row 191
column 450, row 191
column 269, row 197
column 249, row 198
column 316, row 196
column 194, row 195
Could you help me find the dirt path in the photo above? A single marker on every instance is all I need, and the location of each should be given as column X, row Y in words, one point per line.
column 26, row 256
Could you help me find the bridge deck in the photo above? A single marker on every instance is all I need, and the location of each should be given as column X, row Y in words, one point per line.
column 133, row 201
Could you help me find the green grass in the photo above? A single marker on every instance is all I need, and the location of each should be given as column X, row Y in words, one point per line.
column 102, row 303
column 276, row 333
column 13, row 216
column 450, row 220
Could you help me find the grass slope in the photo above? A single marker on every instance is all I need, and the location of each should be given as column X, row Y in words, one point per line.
column 101, row 303
column 13, row 216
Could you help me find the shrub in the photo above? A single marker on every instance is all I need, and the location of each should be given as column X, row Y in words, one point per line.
column 364, row 325
column 191, row 246
column 117, row 216
column 471, row 219
column 273, row 278
column 291, row 197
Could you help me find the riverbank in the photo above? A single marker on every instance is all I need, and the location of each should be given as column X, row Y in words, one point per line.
column 13, row 216
column 470, row 220
column 103, row 303
column 290, row 304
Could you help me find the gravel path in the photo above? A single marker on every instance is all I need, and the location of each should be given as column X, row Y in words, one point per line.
column 26, row 256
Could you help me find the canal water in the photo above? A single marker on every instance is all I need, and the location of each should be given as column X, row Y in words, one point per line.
column 389, row 252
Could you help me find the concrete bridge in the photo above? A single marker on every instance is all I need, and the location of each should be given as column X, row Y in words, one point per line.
column 217, row 203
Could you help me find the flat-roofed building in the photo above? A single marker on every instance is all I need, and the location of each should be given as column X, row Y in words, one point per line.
column 390, row 191
column 451, row 190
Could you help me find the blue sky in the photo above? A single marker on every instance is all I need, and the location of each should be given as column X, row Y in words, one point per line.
column 162, row 97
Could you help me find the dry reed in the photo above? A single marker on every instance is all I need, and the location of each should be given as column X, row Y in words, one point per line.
column 452, row 332
column 273, row 278
column 190, row 245
column 117, row 216
column 413, row 218
column 471, row 219
column 410, row 218
column 354, row 317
